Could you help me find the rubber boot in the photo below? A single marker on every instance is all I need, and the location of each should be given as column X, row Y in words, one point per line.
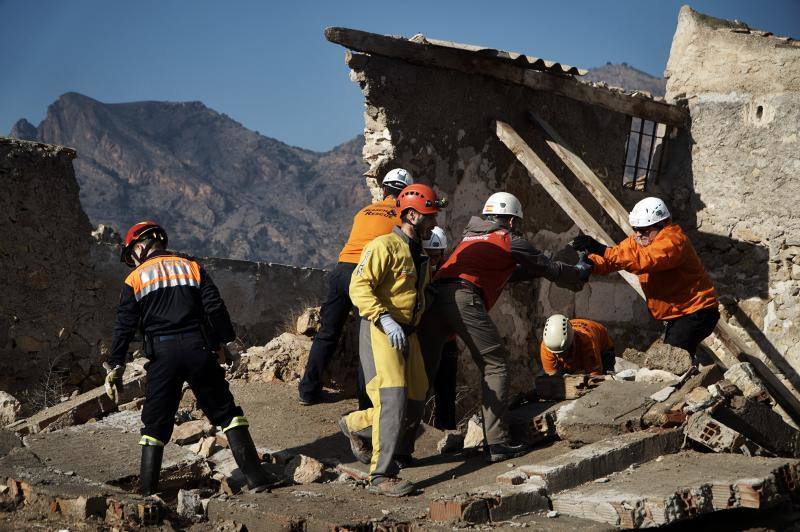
column 244, row 452
column 150, row 469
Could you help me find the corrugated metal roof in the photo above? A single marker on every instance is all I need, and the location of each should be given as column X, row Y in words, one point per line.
column 525, row 61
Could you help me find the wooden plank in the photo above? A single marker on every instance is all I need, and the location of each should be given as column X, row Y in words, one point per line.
column 585, row 174
column 737, row 349
column 545, row 177
column 471, row 62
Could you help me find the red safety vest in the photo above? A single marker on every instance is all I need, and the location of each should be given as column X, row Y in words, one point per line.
column 483, row 260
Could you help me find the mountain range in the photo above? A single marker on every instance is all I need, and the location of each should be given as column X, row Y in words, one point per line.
column 219, row 188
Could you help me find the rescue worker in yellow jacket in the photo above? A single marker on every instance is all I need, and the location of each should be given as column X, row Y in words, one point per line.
column 388, row 288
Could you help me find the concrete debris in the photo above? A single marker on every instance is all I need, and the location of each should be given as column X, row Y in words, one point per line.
column 652, row 376
column 192, row 431
column 620, row 364
column 626, row 375
column 552, row 514
column 698, row 399
column 714, row 435
column 452, row 442
column 558, row 388
column 208, row 446
column 304, row 469
column 615, row 407
column 283, row 358
column 190, row 504
column 8, row 441
column 489, row 504
column 759, row 423
column 662, row 394
column 9, row 408
column 308, row 323
column 661, row 356
column 474, row 435
column 670, row 411
column 744, row 377
column 682, row 486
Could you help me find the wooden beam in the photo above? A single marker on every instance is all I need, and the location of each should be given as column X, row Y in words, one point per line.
column 585, row 174
column 472, row 62
column 737, row 349
column 545, row 177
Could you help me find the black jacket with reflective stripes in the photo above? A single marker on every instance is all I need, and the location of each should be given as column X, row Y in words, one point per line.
column 169, row 294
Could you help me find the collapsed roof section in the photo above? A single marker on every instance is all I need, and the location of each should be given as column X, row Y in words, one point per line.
column 531, row 72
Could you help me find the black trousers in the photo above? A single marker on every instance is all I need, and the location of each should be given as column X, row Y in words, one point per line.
column 688, row 331
column 176, row 359
column 333, row 316
column 444, row 388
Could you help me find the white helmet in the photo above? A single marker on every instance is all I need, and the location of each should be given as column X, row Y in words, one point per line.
column 558, row 333
column 647, row 212
column 397, row 178
column 503, row 203
column 438, row 239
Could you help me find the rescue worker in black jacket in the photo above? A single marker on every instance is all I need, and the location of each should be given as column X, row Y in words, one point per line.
column 184, row 319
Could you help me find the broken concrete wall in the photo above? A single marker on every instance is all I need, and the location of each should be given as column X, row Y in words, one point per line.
column 738, row 170
column 48, row 326
column 436, row 123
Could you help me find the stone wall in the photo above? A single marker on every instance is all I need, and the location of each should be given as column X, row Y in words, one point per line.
column 49, row 302
column 436, row 123
column 738, row 169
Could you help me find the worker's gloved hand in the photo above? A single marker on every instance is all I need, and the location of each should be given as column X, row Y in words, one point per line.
column 584, row 266
column 397, row 337
column 587, row 243
column 113, row 382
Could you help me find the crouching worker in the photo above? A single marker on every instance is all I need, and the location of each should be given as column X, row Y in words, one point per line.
column 180, row 311
column 388, row 288
column 679, row 292
column 575, row 346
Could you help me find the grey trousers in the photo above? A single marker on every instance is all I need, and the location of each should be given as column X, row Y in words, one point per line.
column 459, row 309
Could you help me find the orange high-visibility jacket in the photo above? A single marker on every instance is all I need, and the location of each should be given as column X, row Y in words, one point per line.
column 672, row 277
column 372, row 221
column 591, row 340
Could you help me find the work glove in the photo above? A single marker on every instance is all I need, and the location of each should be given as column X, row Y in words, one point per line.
column 586, row 243
column 584, row 266
column 113, row 382
column 397, row 337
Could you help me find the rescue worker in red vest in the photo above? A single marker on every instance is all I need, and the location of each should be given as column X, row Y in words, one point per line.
column 388, row 287
column 679, row 292
column 577, row 346
column 183, row 320
column 373, row 220
column 492, row 253
column 444, row 380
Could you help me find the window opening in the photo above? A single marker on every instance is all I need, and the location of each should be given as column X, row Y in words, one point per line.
column 644, row 150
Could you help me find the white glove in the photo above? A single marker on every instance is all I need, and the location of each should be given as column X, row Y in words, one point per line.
column 397, row 337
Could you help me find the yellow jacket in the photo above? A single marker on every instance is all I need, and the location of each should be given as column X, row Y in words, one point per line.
column 386, row 280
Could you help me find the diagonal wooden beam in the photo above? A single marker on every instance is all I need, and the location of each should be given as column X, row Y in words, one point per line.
column 737, row 350
column 545, row 177
column 570, row 157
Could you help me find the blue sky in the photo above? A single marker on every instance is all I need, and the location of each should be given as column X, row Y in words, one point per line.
column 268, row 65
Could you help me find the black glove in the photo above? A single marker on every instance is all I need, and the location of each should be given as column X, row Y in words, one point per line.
column 586, row 243
column 584, row 266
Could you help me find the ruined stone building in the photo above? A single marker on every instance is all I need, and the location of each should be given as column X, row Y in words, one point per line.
column 721, row 151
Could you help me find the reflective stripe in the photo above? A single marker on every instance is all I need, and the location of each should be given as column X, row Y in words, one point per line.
column 149, row 440
column 238, row 421
column 163, row 272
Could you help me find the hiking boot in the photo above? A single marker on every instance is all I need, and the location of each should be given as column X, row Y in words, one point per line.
column 403, row 461
column 390, row 486
column 503, row 451
column 308, row 399
column 360, row 450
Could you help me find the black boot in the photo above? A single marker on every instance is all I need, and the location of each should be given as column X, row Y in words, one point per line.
column 150, row 469
column 244, row 452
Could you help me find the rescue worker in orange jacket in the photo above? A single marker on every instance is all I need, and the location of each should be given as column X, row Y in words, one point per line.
column 184, row 320
column 492, row 253
column 374, row 220
column 679, row 292
column 575, row 346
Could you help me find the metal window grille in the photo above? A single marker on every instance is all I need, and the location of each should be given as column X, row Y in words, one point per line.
column 644, row 150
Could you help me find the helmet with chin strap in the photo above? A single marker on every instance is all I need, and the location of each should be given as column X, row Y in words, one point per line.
column 147, row 230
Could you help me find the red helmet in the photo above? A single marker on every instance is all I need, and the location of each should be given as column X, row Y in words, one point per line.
column 421, row 198
column 137, row 232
